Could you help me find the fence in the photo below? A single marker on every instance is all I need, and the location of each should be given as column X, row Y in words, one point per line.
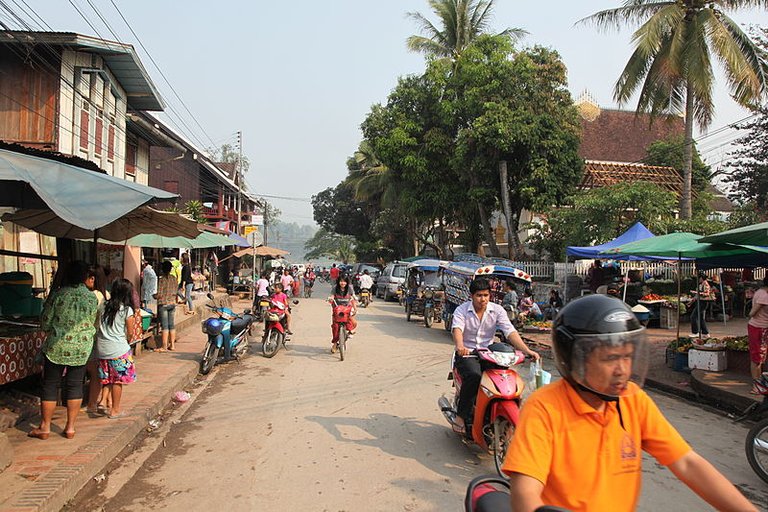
column 556, row 272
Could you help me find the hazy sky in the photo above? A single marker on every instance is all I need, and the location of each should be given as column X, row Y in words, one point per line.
column 298, row 77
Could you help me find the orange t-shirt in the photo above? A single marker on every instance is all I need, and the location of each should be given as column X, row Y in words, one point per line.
column 584, row 458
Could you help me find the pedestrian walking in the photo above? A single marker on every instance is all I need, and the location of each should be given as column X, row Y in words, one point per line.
column 167, row 287
column 186, row 283
column 115, row 357
column 757, row 332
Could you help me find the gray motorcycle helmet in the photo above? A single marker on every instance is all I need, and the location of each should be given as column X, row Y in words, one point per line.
column 593, row 321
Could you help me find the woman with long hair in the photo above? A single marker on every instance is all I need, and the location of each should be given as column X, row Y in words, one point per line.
column 68, row 319
column 167, row 286
column 115, row 358
column 343, row 295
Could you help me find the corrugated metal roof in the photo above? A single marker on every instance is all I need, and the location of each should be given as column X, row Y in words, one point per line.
column 120, row 58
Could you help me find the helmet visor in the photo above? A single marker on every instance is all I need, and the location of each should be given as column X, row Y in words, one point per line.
column 607, row 363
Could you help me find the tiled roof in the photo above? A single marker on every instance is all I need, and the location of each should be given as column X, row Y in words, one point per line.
column 603, row 174
column 719, row 203
column 622, row 135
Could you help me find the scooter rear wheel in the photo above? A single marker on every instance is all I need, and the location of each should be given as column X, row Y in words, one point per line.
column 429, row 317
column 271, row 343
column 208, row 361
column 503, row 431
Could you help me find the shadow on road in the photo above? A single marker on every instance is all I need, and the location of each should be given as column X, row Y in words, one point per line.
column 434, row 446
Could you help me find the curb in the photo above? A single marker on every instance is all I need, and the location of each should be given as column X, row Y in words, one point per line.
column 53, row 490
column 673, row 390
column 720, row 397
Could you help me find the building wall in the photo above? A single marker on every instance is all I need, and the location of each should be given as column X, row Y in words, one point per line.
column 28, row 100
column 175, row 173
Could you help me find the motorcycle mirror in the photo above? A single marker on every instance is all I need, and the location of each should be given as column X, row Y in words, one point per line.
column 247, row 312
column 210, row 295
column 295, row 301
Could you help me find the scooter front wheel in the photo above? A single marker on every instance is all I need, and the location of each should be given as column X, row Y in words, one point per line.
column 210, row 354
column 271, row 343
column 503, row 431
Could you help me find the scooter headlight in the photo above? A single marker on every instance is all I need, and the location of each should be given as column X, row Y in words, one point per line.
column 273, row 317
column 429, row 293
column 213, row 326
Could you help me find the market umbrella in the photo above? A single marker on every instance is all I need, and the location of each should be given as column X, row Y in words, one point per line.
column 755, row 234
column 138, row 221
column 262, row 250
column 684, row 245
column 201, row 241
column 81, row 197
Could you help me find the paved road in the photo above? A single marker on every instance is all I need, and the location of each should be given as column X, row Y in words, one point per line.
column 305, row 431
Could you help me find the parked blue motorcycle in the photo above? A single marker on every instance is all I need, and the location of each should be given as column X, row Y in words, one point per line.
column 226, row 331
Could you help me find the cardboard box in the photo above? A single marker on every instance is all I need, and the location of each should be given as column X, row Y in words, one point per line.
column 711, row 360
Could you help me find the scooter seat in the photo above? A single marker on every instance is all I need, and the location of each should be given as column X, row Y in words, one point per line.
column 238, row 324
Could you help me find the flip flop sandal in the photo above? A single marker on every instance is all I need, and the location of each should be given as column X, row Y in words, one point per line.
column 459, row 429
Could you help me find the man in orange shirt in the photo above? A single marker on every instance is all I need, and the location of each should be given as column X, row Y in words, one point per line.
column 578, row 444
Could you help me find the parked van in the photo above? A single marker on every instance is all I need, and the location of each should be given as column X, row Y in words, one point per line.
column 391, row 277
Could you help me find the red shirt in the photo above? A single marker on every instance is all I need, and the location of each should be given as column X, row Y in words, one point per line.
column 335, row 273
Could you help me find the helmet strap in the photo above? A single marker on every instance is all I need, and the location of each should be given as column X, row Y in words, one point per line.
column 605, row 398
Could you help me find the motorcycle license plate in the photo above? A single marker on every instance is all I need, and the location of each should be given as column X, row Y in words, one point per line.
column 364, row 294
column 264, row 304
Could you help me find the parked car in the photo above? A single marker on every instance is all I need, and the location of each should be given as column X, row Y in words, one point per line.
column 390, row 279
column 374, row 269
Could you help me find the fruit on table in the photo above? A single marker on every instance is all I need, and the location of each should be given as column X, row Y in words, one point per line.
column 652, row 296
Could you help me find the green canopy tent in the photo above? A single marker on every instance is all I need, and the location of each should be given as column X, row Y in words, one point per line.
column 755, row 234
column 685, row 245
column 202, row 241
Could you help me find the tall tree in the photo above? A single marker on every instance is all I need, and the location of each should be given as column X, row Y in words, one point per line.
column 749, row 169
column 672, row 66
column 461, row 22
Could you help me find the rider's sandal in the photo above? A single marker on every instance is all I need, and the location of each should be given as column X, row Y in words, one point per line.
column 459, row 429
column 334, row 347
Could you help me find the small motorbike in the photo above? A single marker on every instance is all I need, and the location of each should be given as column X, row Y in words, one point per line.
column 491, row 494
column 341, row 314
column 262, row 305
column 497, row 405
column 365, row 297
column 224, row 329
column 275, row 334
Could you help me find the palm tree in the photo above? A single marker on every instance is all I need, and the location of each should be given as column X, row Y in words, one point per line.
column 672, row 66
column 461, row 22
column 371, row 180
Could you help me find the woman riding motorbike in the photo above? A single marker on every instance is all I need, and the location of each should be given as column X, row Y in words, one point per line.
column 343, row 295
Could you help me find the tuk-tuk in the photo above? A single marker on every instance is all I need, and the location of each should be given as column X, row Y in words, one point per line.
column 458, row 274
column 424, row 291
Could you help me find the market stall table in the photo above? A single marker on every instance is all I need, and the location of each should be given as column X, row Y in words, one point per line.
column 19, row 344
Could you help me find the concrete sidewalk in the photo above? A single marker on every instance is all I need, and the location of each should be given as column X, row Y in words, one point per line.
column 45, row 475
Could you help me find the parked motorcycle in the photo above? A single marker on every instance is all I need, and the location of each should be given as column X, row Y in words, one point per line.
column 365, row 297
column 275, row 334
column 497, row 405
column 225, row 329
column 491, row 494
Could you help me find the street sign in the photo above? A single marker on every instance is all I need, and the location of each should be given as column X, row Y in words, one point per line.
column 247, row 230
column 255, row 238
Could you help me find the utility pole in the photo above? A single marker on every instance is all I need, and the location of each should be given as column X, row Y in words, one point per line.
column 239, row 181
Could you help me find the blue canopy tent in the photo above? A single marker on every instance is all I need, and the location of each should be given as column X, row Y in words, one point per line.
column 634, row 233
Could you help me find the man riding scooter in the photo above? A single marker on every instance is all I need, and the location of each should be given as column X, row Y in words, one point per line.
column 474, row 326
column 366, row 283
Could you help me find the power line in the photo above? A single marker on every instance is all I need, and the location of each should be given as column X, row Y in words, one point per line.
column 138, row 40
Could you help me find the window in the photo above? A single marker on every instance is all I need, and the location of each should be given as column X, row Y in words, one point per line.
column 171, row 186
column 111, row 141
column 131, row 150
column 99, row 135
column 85, row 119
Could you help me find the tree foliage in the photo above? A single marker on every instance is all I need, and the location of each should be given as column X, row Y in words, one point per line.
column 599, row 215
column 331, row 245
column 748, row 176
